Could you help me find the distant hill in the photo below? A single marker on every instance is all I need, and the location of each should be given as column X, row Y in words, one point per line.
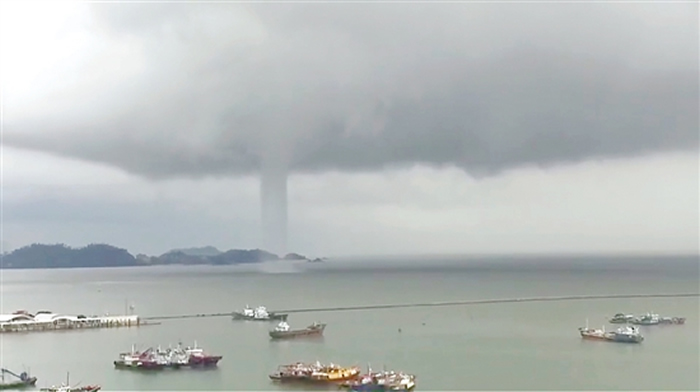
column 62, row 256
column 203, row 251
column 102, row 255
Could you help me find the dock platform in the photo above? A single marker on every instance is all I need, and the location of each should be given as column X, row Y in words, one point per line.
column 22, row 321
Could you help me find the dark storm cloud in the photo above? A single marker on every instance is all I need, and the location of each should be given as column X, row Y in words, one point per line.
column 360, row 87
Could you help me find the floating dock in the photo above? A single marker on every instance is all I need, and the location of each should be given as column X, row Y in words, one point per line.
column 22, row 321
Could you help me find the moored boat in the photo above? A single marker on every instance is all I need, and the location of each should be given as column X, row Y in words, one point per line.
column 593, row 333
column 22, row 380
column 314, row 373
column 381, row 381
column 647, row 319
column 146, row 360
column 655, row 319
column 621, row 318
column 66, row 387
column 196, row 357
column 672, row 320
column 283, row 331
column 625, row 334
column 170, row 358
column 260, row 313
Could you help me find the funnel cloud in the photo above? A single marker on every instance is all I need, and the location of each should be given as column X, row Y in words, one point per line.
column 207, row 90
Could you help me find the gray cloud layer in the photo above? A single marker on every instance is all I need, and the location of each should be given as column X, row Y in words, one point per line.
column 360, row 87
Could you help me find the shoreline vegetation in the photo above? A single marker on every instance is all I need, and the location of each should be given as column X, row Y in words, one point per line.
column 103, row 255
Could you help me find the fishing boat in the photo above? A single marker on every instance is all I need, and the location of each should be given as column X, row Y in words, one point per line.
column 260, row 313
column 672, row 320
column 19, row 381
column 655, row 319
column 66, row 387
column 314, row 373
column 647, row 319
column 625, row 334
column 592, row 333
column 621, row 318
column 170, row 358
column 381, row 381
column 146, row 360
column 283, row 331
column 196, row 357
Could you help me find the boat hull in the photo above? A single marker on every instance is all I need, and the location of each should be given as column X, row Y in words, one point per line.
column 309, row 380
column 645, row 323
column 19, row 384
column 199, row 362
column 90, row 388
column 627, row 339
column 593, row 336
column 139, row 366
column 380, row 388
column 309, row 375
column 673, row 321
column 208, row 362
column 611, row 337
column 308, row 332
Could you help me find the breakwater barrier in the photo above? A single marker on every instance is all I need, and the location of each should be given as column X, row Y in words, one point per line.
column 438, row 304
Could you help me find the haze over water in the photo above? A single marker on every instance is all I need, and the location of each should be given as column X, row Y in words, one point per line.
column 524, row 346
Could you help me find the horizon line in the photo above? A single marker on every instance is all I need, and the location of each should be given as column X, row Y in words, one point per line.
column 527, row 254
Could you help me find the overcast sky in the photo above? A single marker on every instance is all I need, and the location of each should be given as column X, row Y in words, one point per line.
column 405, row 128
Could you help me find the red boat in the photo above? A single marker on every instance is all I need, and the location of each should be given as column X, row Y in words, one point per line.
column 170, row 358
column 198, row 358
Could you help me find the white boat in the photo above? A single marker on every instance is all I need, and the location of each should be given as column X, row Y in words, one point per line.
column 627, row 334
column 647, row 319
column 282, row 327
column 66, row 387
column 260, row 313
